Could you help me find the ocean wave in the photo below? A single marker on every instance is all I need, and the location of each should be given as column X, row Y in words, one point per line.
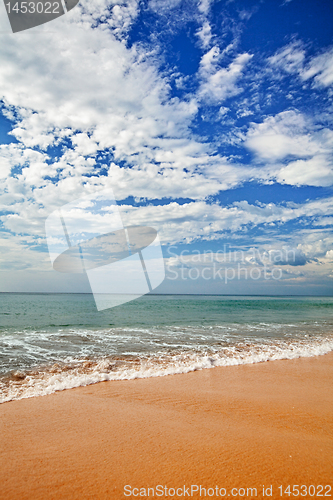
column 71, row 373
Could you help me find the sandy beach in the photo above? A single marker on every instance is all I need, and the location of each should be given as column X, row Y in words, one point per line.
column 225, row 429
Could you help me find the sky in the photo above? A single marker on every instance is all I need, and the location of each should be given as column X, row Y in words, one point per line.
column 210, row 120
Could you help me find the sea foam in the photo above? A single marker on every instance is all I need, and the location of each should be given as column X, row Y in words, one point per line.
column 48, row 379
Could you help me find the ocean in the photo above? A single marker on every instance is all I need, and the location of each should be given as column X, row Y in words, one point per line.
column 53, row 342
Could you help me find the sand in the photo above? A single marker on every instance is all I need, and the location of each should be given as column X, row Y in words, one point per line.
column 230, row 427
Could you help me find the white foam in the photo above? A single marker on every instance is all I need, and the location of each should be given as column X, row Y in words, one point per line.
column 48, row 382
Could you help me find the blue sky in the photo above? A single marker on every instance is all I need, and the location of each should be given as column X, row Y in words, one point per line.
column 210, row 120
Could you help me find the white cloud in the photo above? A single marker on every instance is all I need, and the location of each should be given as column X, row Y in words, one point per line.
column 204, row 6
column 102, row 91
column 83, row 89
column 245, row 15
column 31, row 163
column 205, row 34
column 321, row 69
column 217, row 84
column 324, row 221
column 117, row 101
column 293, row 137
column 292, row 59
column 329, row 255
column 316, row 245
column 115, row 14
column 158, row 5
column 187, row 222
column 316, row 171
column 174, row 221
column 280, row 136
column 18, row 253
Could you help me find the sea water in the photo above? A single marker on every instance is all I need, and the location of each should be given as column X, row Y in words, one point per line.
column 52, row 342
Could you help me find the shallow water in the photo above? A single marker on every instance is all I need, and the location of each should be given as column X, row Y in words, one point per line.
column 51, row 342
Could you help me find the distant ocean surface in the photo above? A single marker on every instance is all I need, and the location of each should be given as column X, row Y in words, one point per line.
column 52, row 342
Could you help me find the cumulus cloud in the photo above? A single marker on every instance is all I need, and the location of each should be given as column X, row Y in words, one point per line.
column 280, row 136
column 316, row 171
column 187, row 222
column 103, row 88
column 105, row 109
column 316, row 246
column 294, row 138
column 90, row 111
column 117, row 15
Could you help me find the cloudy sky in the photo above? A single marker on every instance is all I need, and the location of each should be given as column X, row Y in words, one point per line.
column 211, row 120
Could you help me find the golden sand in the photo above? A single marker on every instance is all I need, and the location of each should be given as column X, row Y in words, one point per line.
column 230, row 427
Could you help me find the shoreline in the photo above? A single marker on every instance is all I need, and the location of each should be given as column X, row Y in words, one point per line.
column 241, row 426
column 55, row 377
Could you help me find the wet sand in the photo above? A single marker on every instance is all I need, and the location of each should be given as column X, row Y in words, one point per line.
column 246, row 426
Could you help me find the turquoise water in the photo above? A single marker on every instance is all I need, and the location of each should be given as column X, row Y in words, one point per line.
column 52, row 342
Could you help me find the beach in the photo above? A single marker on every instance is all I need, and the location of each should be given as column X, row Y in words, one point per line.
column 230, row 430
